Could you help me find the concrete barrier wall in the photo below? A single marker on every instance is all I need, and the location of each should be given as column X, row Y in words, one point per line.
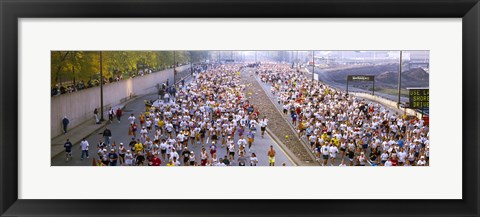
column 79, row 106
column 386, row 102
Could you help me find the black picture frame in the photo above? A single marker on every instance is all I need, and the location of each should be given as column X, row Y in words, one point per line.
column 11, row 11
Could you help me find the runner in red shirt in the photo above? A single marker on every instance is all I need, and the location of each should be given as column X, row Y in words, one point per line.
column 394, row 161
column 155, row 160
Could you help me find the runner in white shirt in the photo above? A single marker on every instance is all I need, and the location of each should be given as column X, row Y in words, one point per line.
column 384, row 157
column 242, row 142
column 253, row 160
column 174, row 154
column 263, row 125
column 131, row 119
column 388, row 163
column 192, row 159
column 325, row 152
column 422, row 161
column 333, row 153
column 84, row 147
column 231, row 151
column 128, row 158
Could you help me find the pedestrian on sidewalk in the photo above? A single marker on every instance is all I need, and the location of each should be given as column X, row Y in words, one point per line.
column 107, row 134
column 95, row 114
column 111, row 112
column 161, row 92
column 68, row 149
column 65, row 123
column 118, row 114
column 167, row 97
column 84, row 147
column 173, row 92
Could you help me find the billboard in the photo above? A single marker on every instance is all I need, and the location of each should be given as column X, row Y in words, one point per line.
column 419, row 97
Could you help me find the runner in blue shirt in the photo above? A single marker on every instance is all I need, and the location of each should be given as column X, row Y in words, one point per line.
column 68, row 149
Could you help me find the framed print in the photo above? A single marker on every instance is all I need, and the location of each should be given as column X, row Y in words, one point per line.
column 163, row 108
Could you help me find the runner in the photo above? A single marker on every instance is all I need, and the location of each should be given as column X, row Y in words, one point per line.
column 241, row 159
column 271, row 156
column 253, row 160
column 263, row 125
column 84, row 147
column 186, row 156
column 203, row 157
column 155, row 160
column 128, row 158
column 121, row 153
column 334, row 115
column 325, row 152
column 113, row 158
column 333, row 150
column 68, row 149
column 250, row 139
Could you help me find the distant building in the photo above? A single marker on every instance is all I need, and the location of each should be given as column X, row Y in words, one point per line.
column 419, row 59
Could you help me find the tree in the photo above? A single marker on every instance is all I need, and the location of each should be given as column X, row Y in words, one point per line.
column 71, row 66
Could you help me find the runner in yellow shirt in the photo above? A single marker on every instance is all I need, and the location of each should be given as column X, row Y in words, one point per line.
column 138, row 146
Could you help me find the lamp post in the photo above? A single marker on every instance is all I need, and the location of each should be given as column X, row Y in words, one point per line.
column 399, row 80
column 101, row 87
column 313, row 61
column 174, row 68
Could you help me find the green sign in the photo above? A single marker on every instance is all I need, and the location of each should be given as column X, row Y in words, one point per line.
column 419, row 98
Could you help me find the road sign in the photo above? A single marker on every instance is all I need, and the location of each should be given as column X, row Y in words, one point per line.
column 419, row 98
column 360, row 78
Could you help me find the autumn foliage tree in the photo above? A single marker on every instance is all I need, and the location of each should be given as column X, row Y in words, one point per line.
column 70, row 67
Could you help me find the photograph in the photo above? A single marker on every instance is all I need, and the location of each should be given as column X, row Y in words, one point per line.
column 240, row 108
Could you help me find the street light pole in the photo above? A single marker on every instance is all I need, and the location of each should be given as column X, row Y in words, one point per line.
column 174, row 67
column 101, row 86
column 313, row 71
column 399, row 80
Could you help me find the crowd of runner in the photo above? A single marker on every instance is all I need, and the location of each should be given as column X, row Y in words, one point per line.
column 209, row 113
column 337, row 124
